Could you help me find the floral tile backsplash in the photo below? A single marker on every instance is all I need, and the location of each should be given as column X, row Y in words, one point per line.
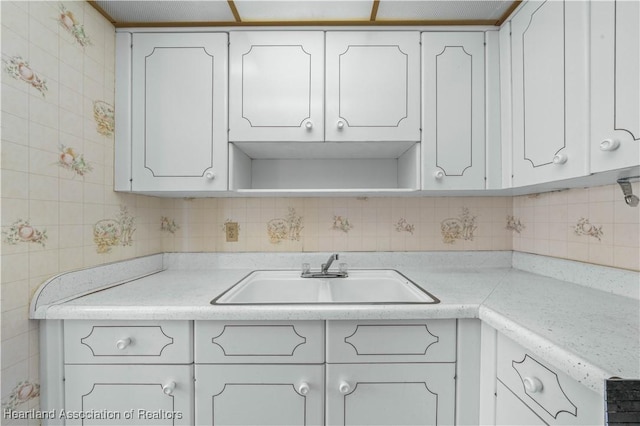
column 59, row 210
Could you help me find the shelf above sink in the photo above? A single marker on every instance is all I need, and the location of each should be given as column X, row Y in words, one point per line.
column 371, row 286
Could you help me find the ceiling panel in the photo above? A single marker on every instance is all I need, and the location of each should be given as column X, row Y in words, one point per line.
column 149, row 11
column 442, row 10
column 307, row 10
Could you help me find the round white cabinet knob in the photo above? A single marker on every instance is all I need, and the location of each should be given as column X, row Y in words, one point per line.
column 123, row 343
column 532, row 384
column 344, row 388
column 308, row 125
column 560, row 158
column 438, row 174
column 303, row 389
column 340, row 124
column 169, row 388
column 609, row 145
column 209, row 175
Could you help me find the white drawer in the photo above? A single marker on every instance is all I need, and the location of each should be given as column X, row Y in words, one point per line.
column 267, row 342
column 391, row 341
column 127, row 342
column 552, row 395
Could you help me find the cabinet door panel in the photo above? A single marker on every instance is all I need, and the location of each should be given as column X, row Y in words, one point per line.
column 550, row 91
column 259, row 394
column 390, row 394
column 615, row 84
column 129, row 394
column 511, row 411
column 179, row 106
column 551, row 394
column 453, row 106
column 276, row 86
column 373, row 86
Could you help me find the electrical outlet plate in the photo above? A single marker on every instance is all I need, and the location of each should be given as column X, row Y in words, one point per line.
column 231, row 229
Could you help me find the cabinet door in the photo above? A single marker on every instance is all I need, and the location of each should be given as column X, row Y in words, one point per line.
column 511, row 411
column 276, row 86
column 179, row 112
column 390, row 394
column 615, row 85
column 453, row 137
column 549, row 62
column 550, row 394
column 373, row 86
column 248, row 395
column 129, row 394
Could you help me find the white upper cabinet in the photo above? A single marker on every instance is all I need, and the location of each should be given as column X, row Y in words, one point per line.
column 549, row 64
column 276, row 86
column 615, row 85
column 453, row 99
column 178, row 112
column 372, row 86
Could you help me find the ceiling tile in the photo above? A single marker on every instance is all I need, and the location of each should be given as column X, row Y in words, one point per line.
column 146, row 11
column 442, row 10
column 306, row 10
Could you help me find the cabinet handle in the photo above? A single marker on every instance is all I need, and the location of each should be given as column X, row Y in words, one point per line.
column 532, row 384
column 438, row 174
column 609, row 145
column 560, row 159
column 169, row 388
column 123, row 343
column 209, row 175
column 303, row 389
column 344, row 388
column 340, row 124
column 308, row 125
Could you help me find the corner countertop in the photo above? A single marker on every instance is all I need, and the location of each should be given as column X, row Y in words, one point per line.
column 589, row 333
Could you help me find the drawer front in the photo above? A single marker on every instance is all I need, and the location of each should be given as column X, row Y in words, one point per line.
column 267, row 342
column 127, row 342
column 551, row 394
column 391, row 341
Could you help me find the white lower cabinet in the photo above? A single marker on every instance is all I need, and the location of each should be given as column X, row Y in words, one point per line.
column 511, row 411
column 128, row 394
column 337, row 372
column 529, row 388
column 283, row 372
column 259, row 394
column 390, row 394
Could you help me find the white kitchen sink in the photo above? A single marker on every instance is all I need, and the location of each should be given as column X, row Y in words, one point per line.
column 370, row 286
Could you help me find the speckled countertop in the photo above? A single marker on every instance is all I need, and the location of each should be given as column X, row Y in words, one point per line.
column 590, row 330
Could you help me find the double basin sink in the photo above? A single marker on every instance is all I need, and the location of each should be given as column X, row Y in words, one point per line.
column 372, row 286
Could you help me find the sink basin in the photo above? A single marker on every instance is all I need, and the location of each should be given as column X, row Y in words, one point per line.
column 371, row 286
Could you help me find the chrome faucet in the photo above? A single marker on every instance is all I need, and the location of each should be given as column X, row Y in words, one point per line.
column 324, row 269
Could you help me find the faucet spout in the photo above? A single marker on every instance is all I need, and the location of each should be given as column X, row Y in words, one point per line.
column 325, row 266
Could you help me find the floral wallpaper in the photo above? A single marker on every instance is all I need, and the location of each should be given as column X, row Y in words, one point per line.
column 59, row 211
column 20, row 69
